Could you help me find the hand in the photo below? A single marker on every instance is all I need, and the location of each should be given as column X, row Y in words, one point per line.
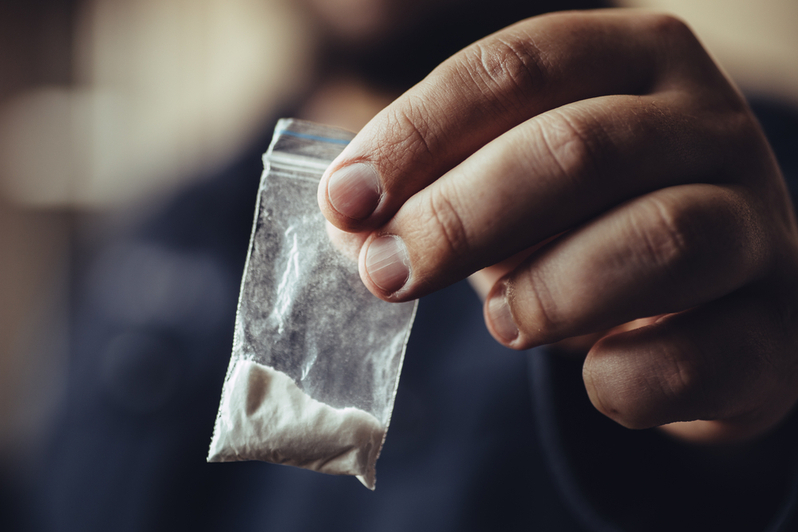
column 612, row 138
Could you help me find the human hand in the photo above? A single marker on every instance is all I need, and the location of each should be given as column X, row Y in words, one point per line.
column 613, row 136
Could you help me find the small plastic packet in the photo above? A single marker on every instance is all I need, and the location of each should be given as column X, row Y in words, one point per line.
column 316, row 357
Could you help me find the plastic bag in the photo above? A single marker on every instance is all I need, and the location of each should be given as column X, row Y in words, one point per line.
column 316, row 357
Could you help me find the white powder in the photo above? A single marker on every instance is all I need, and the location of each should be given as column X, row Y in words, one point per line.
column 263, row 415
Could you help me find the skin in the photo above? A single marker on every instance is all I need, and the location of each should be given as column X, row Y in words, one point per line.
column 593, row 169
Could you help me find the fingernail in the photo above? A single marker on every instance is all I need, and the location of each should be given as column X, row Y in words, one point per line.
column 501, row 318
column 387, row 263
column 354, row 190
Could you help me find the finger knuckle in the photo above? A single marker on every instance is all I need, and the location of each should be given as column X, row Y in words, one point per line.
column 447, row 225
column 674, row 37
column 506, row 69
column 750, row 156
column 411, row 134
column 577, row 146
column 666, row 238
column 670, row 30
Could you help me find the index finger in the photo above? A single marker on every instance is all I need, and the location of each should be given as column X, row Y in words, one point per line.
column 486, row 89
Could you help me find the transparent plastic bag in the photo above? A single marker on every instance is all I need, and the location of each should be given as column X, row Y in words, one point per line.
column 316, row 357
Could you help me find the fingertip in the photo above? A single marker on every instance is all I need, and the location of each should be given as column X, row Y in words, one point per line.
column 385, row 267
column 354, row 191
column 499, row 317
column 387, row 263
column 644, row 378
column 606, row 394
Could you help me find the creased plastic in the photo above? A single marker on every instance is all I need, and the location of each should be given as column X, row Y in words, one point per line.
column 316, row 357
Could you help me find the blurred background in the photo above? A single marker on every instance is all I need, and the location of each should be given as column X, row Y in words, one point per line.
column 110, row 106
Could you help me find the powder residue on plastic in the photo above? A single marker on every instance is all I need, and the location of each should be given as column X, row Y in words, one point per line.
column 261, row 404
column 316, row 358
